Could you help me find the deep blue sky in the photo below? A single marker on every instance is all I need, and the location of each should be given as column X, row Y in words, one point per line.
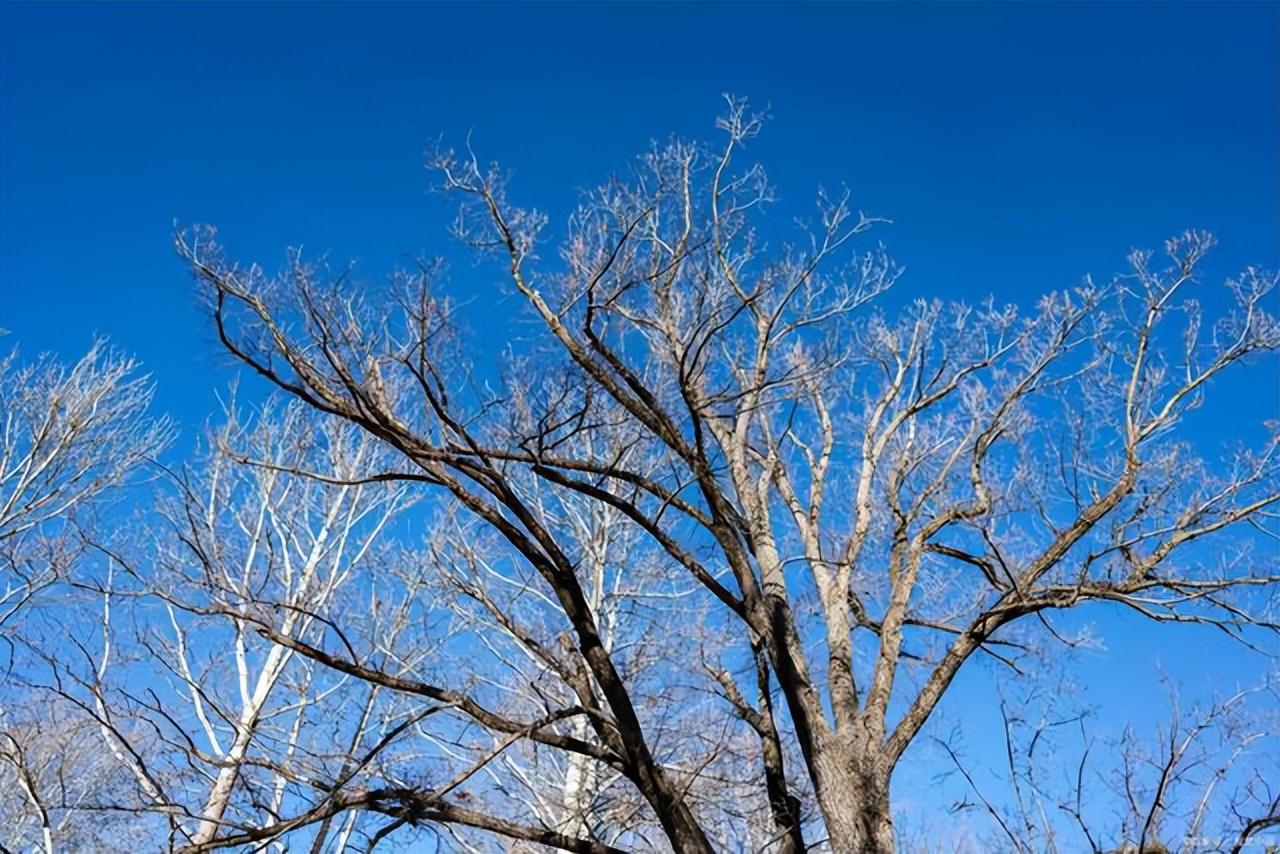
column 1017, row 147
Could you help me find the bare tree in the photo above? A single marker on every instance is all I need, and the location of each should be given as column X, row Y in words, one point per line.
column 862, row 501
column 635, row 594
column 68, row 435
column 1191, row 784
column 217, row 723
column 54, row 778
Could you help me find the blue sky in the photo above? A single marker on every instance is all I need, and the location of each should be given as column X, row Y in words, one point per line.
column 1016, row 147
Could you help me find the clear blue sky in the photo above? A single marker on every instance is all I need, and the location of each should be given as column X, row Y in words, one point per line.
column 1017, row 147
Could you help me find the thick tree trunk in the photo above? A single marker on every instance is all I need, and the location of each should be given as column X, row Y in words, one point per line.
column 853, row 794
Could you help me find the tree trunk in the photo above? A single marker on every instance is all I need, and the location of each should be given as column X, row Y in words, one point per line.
column 580, row 781
column 220, row 795
column 853, row 794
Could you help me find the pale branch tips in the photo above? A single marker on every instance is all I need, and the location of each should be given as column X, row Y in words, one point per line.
column 70, row 435
column 693, row 568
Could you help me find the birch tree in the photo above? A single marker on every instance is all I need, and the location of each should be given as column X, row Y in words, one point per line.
column 209, row 725
column 252, row 538
column 71, row 435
